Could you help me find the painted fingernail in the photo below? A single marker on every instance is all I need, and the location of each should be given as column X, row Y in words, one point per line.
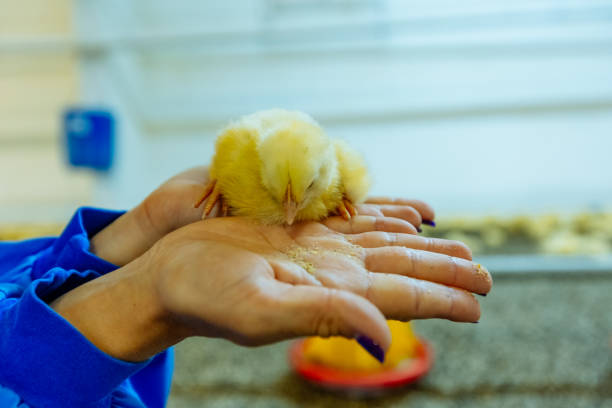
column 429, row 222
column 419, row 229
column 371, row 347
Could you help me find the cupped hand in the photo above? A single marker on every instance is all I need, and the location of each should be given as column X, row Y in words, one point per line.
column 255, row 284
column 170, row 207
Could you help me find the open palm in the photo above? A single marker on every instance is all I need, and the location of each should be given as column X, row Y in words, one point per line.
column 255, row 284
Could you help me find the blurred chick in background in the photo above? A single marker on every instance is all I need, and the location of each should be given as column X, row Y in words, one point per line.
column 279, row 166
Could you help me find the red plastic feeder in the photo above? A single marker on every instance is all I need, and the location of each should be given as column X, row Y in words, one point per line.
column 405, row 373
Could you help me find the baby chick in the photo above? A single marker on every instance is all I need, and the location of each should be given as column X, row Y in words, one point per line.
column 279, row 166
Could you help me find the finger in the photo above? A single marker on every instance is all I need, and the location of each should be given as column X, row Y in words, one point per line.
column 291, row 273
column 365, row 223
column 377, row 239
column 321, row 311
column 403, row 298
column 198, row 174
column 427, row 213
column 403, row 212
column 429, row 266
column 185, row 188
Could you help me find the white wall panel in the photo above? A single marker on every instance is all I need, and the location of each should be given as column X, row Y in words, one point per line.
column 480, row 106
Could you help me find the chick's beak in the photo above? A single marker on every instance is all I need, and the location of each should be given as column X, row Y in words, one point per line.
column 290, row 206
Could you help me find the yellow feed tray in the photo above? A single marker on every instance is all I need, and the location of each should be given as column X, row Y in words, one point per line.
column 345, row 354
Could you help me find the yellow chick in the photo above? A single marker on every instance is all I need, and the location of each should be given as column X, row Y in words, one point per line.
column 279, row 166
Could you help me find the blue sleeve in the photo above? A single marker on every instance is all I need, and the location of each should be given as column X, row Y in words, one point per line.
column 45, row 361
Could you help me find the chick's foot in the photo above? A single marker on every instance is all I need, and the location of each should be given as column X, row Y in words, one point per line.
column 207, row 190
column 212, row 193
column 346, row 209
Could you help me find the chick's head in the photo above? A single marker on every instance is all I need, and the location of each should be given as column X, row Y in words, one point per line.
column 298, row 165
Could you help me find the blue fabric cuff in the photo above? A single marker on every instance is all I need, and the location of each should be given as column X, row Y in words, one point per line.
column 57, row 365
column 71, row 249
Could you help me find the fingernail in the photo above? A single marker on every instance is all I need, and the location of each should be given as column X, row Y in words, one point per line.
column 429, row 222
column 371, row 347
column 419, row 229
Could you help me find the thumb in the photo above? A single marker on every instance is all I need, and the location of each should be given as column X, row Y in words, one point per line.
column 303, row 310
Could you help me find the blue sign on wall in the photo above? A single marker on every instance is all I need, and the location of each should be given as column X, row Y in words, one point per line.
column 89, row 136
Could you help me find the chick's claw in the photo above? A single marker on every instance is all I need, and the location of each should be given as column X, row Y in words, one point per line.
column 343, row 211
column 224, row 207
column 212, row 200
column 346, row 209
column 350, row 207
column 207, row 190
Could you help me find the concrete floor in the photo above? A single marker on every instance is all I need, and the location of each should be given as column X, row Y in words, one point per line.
column 542, row 342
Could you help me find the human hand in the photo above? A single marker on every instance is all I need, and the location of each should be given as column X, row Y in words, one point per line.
column 170, row 207
column 303, row 269
column 255, row 284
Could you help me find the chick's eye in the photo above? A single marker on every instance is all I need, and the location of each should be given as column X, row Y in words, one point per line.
column 310, row 185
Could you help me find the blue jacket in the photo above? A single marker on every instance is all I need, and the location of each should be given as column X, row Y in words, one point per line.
column 46, row 362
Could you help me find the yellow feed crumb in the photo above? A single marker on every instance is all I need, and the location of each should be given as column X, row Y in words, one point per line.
column 298, row 255
column 302, row 256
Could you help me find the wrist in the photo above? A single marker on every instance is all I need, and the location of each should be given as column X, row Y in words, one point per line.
column 120, row 313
